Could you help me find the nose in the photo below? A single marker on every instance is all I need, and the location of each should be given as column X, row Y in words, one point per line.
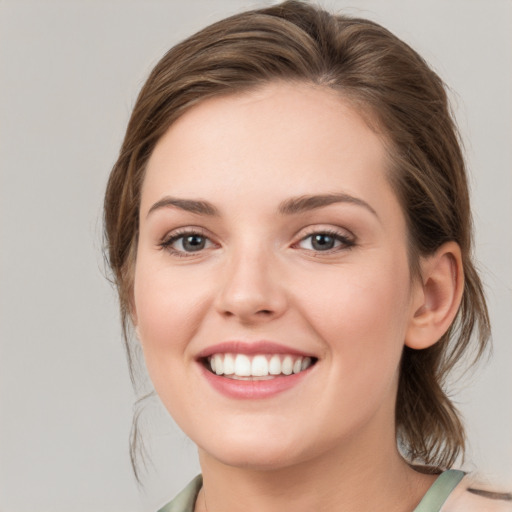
column 250, row 288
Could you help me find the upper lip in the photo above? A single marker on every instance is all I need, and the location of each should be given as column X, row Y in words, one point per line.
column 251, row 347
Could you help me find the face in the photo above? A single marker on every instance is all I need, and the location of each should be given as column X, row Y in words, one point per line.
column 272, row 288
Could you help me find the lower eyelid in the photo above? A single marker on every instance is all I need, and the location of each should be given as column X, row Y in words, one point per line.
column 342, row 244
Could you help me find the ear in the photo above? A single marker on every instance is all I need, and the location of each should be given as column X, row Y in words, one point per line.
column 436, row 297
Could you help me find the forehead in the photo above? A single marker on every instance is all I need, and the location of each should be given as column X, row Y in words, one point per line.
column 282, row 138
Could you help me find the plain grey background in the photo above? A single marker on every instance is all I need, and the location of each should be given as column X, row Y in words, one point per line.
column 69, row 75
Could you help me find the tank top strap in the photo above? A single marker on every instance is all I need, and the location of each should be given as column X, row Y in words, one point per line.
column 439, row 491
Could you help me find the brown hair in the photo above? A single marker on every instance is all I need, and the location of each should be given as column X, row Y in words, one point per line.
column 389, row 83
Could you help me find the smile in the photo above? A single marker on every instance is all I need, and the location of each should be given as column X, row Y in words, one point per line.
column 260, row 369
column 257, row 366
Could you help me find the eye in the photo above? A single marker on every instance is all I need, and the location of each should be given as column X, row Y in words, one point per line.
column 324, row 241
column 186, row 243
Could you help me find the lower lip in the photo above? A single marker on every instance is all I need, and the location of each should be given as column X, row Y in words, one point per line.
column 252, row 389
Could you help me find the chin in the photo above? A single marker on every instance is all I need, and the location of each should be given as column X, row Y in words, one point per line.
column 255, row 460
column 258, row 452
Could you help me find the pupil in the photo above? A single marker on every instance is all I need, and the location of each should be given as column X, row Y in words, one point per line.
column 323, row 242
column 193, row 243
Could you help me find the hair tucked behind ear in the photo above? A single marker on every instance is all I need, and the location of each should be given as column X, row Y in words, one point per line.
column 402, row 98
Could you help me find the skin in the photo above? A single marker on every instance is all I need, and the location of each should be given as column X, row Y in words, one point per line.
column 328, row 443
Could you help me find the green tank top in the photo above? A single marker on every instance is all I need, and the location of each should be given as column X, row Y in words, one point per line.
column 439, row 491
column 431, row 502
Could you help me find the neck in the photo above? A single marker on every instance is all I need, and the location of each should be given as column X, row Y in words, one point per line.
column 361, row 476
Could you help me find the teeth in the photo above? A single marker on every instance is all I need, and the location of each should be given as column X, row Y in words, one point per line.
column 242, row 365
column 229, row 364
column 306, row 363
column 274, row 367
column 219, row 364
column 287, row 365
column 260, row 365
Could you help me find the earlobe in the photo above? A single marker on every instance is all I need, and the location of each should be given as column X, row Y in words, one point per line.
column 437, row 297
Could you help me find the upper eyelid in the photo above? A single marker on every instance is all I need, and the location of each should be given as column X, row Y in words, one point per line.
column 334, row 230
column 184, row 231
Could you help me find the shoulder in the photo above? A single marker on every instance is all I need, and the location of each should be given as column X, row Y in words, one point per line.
column 186, row 499
column 473, row 495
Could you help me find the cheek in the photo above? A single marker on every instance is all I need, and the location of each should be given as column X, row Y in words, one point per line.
column 167, row 308
column 168, row 305
column 362, row 313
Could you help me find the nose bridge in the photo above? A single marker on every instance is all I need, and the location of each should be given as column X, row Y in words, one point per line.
column 250, row 288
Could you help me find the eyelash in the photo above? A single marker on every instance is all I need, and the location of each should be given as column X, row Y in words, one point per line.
column 345, row 241
column 177, row 235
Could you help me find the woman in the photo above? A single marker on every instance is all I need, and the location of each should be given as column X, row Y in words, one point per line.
column 289, row 228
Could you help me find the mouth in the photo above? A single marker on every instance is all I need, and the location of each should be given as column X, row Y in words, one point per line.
column 254, row 370
column 254, row 367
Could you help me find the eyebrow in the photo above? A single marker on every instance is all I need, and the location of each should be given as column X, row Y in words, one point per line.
column 302, row 204
column 292, row 206
column 189, row 205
